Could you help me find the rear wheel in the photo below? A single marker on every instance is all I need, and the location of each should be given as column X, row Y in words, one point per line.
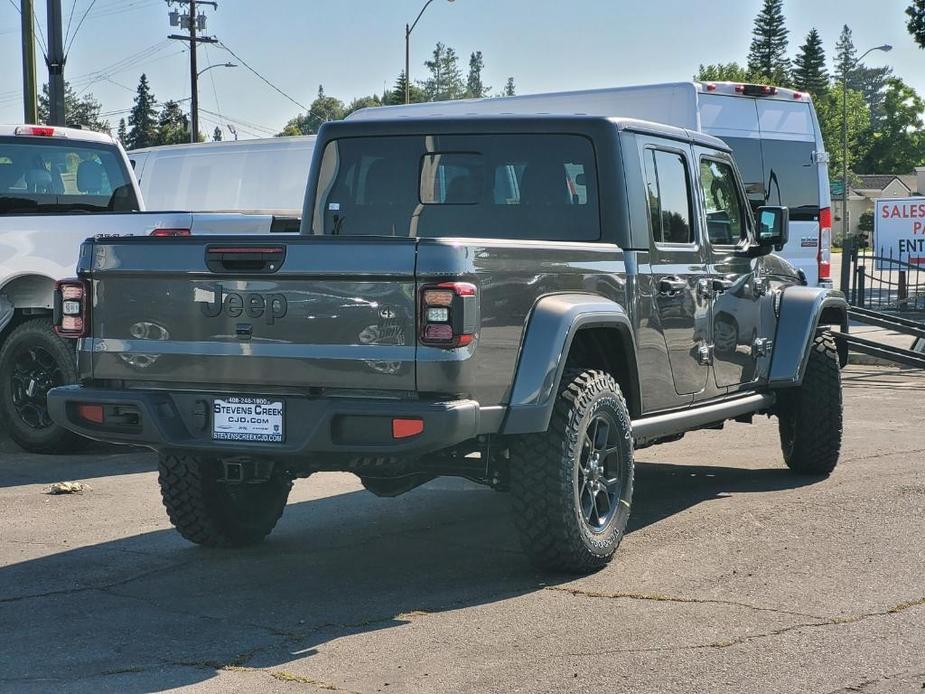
column 33, row 361
column 572, row 485
column 810, row 416
column 213, row 513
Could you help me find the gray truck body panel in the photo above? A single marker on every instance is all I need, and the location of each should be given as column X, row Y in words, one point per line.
column 331, row 325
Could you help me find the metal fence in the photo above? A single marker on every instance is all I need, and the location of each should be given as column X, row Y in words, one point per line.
column 882, row 281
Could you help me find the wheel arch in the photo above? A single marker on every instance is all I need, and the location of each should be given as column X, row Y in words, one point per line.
column 25, row 293
column 564, row 329
column 802, row 311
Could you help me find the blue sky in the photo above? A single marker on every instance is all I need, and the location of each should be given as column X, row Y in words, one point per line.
column 354, row 47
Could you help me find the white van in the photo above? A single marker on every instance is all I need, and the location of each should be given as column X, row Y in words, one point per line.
column 252, row 176
column 773, row 132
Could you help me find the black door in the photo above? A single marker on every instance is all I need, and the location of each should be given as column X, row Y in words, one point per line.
column 736, row 287
column 678, row 266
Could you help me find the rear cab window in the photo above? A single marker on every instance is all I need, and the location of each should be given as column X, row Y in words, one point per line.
column 669, row 196
column 511, row 186
column 52, row 175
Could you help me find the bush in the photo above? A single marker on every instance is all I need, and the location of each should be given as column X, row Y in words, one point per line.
column 866, row 221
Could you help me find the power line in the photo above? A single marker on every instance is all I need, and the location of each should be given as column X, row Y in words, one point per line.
column 244, row 63
column 70, row 18
column 79, row 24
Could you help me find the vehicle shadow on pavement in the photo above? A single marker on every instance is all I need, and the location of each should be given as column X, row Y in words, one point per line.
column 150, row 612
column 93, row 459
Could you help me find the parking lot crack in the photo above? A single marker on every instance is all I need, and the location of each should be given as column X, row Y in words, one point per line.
column 655, row 597
column 821, row 622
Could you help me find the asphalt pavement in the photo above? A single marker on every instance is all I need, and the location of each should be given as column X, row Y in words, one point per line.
column 736, row 576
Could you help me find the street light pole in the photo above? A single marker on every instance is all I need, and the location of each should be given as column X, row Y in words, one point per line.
column 886, row 48
column 408, row 30
column 206, row 69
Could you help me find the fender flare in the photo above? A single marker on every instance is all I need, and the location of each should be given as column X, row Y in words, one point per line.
column 551, row 328
column 802, row 311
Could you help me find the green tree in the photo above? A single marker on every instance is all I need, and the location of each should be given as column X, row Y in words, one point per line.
column 829, row 111
column 363, row 102
column 445, row 82
column 916, row 23
column 396, row 95
column 809, row 73
column 172, row 125
column 723, row 72
column 323, row 109
column 846, row 55
column 898, row 145
column 509, row 89
column 79, row 111
column 122, row 133
column 768, row 53
column 143, row 120
column 475, row 87
column 217, row 134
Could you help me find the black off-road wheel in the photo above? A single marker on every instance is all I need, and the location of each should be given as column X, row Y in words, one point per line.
column 572, row 485
column 810, row 416
column 34, row 360
column 212, row 513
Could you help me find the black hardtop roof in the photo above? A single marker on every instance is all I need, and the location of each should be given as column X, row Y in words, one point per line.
column 531, row 124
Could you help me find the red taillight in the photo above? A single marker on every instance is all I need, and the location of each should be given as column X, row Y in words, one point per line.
column 91, row 413
column 797, row 95
column 170, row 232
column 824, row 254
column 72, row 308
column 406, row 428
column 710, row 87
column 449, row 314
column 740, row 88
column 36, row 130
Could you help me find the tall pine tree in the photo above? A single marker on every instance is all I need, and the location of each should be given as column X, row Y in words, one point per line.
column 916, row 23
column 445, row 81
column 509, row 89
column 809, row 73
column 768, row 53
column 475, row 88
column 122, row 133
column 846, row 54
column 143, row 120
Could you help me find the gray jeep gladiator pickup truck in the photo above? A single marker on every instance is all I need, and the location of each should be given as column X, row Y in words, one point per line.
column 520, row 301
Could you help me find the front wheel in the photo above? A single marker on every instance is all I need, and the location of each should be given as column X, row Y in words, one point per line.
column 33, row 361
column 810, row 416
column 572, row 485
column 210, row 512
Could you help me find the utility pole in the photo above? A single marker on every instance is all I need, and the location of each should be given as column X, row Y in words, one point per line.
column 30, row 106
column 55, row 60
column 194, row 22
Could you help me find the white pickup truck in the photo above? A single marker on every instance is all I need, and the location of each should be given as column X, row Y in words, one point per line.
column 59, row 186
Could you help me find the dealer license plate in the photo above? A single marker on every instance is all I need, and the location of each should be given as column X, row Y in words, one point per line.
column 247, row 419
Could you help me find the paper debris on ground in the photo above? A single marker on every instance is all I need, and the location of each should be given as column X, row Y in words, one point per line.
column 68, row 488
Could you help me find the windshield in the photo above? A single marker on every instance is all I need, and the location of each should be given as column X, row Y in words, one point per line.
column 541, row 187
column 54, row 176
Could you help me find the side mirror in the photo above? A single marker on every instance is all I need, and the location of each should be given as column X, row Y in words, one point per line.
column 773, row 227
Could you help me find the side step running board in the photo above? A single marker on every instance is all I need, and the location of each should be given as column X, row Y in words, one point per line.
column 662, row 425
column 899, row 355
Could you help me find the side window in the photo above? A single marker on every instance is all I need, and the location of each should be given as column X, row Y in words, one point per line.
column 725, row 219
column 669, row 197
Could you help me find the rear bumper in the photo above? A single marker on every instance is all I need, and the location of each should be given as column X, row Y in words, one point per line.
column 313, row 426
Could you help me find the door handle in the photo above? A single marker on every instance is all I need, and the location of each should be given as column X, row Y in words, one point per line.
column 671, row 285
column 719, row 285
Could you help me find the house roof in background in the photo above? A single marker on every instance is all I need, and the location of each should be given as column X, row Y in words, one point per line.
column 879, row 181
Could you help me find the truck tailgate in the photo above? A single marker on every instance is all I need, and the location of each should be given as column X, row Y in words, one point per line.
column 223, row 312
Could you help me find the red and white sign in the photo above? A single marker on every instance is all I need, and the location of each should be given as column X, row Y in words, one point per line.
column 899, row 231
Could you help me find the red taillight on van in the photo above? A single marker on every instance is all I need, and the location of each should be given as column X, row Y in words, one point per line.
column 170, row 232
column 72, row 309
column 449, row 314
column 824, row 254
